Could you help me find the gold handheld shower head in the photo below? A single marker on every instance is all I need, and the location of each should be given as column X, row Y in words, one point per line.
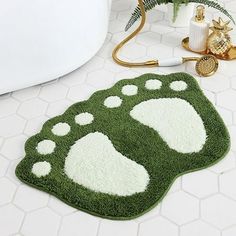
column 206, row 65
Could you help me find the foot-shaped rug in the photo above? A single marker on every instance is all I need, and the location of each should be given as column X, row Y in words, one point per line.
column 117, row 154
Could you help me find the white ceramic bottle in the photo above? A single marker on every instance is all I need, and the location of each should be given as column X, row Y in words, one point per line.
column 198, row 31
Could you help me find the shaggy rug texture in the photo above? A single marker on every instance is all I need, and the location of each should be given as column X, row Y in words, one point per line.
column 117, row 154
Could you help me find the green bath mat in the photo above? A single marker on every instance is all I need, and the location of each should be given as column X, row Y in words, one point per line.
column 117, row 154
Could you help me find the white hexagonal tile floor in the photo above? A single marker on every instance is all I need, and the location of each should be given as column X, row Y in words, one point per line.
column 200, row 203
column 172, row 207
column 197, row 228
column 36, row 200
column 158, row 226
column 200, row 183
column 41, row 222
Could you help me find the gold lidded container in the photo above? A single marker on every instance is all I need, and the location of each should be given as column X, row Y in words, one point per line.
column 219, row 41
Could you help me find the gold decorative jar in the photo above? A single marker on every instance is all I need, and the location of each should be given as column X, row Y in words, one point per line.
column 219, row 41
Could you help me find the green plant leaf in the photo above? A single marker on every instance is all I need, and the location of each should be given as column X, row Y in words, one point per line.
column 150, row 4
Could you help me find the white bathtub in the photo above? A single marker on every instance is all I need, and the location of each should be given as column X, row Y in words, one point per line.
column 41, row 40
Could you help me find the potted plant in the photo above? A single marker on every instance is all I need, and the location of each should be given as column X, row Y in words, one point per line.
column 184, row 7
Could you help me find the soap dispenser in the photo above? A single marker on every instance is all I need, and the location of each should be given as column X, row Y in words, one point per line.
column 198, row 31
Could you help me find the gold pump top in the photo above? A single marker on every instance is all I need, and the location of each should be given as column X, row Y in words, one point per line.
column 200, row 13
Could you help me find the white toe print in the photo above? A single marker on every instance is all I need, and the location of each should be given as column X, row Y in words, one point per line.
column 112, row 101
column 153, row 84
column 61, row 129
column 46, row 147
column 41, row 169
column 84, row 118
column 178, row 85
column 129, row 90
